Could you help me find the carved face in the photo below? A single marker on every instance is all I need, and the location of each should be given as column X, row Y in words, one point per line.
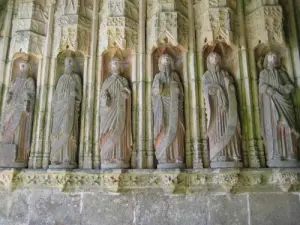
column 24, row 67
column 272, row 59
column 213, row 58
column 116, row 66
column 165, row 62
column 69, row 62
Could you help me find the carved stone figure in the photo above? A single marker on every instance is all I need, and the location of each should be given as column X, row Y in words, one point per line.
column 167, row 100
column 115, row 127
column 65, row 125
column 17, row 120
column 223, row 127
column 278, row 119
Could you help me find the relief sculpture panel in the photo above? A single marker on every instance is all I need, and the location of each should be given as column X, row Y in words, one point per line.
column 115, row 125
column 223, row 126
column 278, row 119
column 167, row 102
column 17, row 119
column 65, row 118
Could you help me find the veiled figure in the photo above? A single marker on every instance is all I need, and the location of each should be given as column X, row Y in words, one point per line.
column 278, row 117
column 65, row 123
column 115, row 124
column 167, row 101
column 223, row 127
column 17, row 119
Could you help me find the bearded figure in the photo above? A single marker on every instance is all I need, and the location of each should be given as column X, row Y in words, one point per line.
column 167, row 101
column 223, row 126
column 65, row 111
column 278, row 118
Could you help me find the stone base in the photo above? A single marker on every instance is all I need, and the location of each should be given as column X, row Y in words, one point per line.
column 171, row 166
column 115, row 166
column 8, row 153
column 276, row 163
column 226, row 165
column 62, row 166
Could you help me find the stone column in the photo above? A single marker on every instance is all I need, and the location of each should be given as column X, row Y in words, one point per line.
column 134, row 74
column 98, row 84
column 193, row 154
column 202, row 114
column 89, row 76
column 36, row 156
column 5, row 48
column 149, row 118
column 87, row 113
column 141, row 92
column 249, row 138
column 51, row 88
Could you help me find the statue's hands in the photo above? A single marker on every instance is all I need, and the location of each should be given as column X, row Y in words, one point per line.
column 271, row 91
column 26, row 106
column 175, row 86
column 287, row 89
column 212, row 91
column 125, row 93
column 158, row 90
column 105, row 99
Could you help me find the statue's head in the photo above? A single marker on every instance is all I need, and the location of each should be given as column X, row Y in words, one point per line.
column 165, row 62
column 213, row 59
column 272, row 60
column 69, row 65
column 24, row 67
column 116, row 66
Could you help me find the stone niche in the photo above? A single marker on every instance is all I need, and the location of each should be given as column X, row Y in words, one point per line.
column 18, row 112
column 100, row 54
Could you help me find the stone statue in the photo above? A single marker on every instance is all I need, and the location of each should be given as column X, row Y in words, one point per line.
column 278, row 119
column 115, row 126
column 17, row 120
column 167, row 101
column 65, row 123
column 223, row 127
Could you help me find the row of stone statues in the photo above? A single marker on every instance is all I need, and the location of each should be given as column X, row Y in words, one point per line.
column 278, row 119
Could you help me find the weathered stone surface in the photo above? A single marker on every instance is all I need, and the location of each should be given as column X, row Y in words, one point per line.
column 51, row 208
column 159, row 209
column 227, row 209
column 274, row 209
column 107, row 209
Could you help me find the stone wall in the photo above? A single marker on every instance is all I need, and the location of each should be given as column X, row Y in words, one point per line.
column 41, row 207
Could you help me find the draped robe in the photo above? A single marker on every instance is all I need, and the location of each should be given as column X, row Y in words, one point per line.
column 65, row 126
column 278, row 115
column 223, row 128
column 168, row 115
column 17, row 119
column 115, row 125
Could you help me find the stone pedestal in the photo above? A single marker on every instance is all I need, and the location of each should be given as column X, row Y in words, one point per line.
column 277, row 163
column 226, row 165
column 171, row 166
column 63, row 166
column 120, row 165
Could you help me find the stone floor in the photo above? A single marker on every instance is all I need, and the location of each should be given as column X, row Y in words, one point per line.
column 41, row 207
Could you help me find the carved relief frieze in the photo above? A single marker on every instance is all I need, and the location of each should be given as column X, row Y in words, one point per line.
column 265, row 24
column 167, row 23
column 73, row 26
column 119, row 28
column 215, row 21
column 29, row 27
